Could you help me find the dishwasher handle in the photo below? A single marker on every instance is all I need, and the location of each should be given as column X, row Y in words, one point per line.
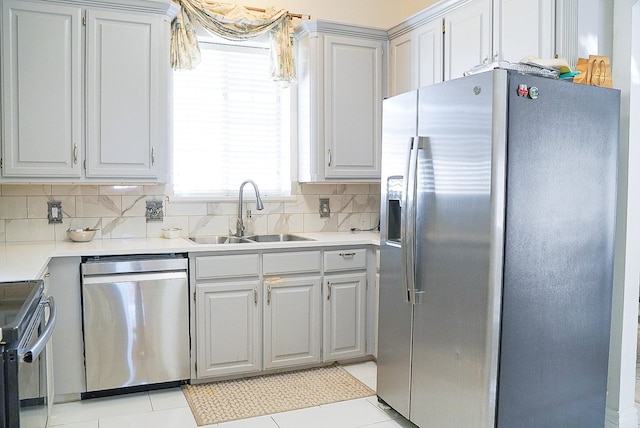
column 134, row 265
column 134, row 277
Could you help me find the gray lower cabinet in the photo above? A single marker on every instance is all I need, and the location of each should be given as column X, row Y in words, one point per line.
column 255, row 312
column 292, row 321
column 344, row 326
column 67, row 341
column 292, row 315
column 229, row 327
column 344, row 316
column 228, row 315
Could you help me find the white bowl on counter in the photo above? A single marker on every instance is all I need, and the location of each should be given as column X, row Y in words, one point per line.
column 81, row 235
column 171, row 232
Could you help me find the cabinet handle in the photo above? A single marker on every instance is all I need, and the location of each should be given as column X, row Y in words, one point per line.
column 75, row 153
column 329, row 157
column 495, row 56
column 153, row 156
column 329, row 290
column 268, row 295
column 347, row 255
column 255, row 296
column 485, row 60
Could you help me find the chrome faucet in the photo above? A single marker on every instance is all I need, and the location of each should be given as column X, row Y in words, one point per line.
column 259, row 206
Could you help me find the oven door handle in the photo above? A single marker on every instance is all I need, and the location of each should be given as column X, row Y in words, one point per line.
column 31, row 354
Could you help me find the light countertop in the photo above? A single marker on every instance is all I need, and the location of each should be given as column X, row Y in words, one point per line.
column 29, row 260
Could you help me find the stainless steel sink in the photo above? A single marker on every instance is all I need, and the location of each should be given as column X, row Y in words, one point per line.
column 215, row 239
column 277, row 238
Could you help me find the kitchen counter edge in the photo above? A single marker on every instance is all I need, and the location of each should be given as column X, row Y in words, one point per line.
column 23, row 261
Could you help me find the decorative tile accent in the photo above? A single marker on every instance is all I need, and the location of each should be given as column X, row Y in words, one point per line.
column 154, row 211
column 325, row 210
column 54, row 211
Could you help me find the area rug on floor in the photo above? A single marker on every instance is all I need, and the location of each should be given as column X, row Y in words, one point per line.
column 256, row 396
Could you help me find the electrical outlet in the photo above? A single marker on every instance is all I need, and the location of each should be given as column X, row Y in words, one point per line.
column 54, row 211
column 325, row 210
column 154, row 211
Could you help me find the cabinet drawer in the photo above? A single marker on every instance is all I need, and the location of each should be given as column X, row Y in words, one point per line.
column 281, row 263
column 227, row 266
column 345, row 260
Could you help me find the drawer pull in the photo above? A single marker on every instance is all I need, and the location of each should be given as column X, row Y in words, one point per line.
column 346, row 255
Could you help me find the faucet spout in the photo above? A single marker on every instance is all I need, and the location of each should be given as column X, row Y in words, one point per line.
column 259, row 206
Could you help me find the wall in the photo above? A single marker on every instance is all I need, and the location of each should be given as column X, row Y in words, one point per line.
column 119, row 211
column 374, row 13
column 411, row 7
column 621, row 406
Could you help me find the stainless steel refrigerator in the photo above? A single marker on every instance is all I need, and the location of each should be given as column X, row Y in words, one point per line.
column 497, row 241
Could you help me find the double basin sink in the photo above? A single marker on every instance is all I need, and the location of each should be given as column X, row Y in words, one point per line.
column 217, row 239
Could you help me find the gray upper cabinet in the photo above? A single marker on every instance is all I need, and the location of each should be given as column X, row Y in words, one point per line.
column 41, row 89
column 341, row 75
column 522, row 28
column 127, row 126
column 467, row 38
column 85, row 87
column 452, row 36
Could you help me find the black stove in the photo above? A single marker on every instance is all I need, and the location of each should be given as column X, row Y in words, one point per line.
column 18, row 302
column 27, row 318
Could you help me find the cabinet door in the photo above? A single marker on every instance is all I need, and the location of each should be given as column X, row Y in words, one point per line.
column 125, row 136
column 344, row 316
column 467, row 38
column 41, row 89
column 292, row 321
column 428, row 43
column 228, row 325
column 401, row 64
column 522, row 28
column 353, row 107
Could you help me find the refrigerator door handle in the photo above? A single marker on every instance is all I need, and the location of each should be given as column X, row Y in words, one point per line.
column 408, row 225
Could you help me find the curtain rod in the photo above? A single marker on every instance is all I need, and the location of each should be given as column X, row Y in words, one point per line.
column 291, row 15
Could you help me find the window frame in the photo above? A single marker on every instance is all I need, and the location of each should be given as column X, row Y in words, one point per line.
column 261, row 43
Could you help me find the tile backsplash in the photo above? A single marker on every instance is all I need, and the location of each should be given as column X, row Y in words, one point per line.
column 120, row 211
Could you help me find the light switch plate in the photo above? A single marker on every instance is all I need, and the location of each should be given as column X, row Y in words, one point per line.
column 54, row 211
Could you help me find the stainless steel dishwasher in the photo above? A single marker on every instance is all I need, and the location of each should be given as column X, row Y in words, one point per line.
column 135, row 320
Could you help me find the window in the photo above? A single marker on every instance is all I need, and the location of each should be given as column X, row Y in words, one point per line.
column 231, row 123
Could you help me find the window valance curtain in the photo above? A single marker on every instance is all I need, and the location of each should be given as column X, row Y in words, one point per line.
column 232, row 22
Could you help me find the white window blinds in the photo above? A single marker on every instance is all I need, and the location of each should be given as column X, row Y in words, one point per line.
column 231, row 123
